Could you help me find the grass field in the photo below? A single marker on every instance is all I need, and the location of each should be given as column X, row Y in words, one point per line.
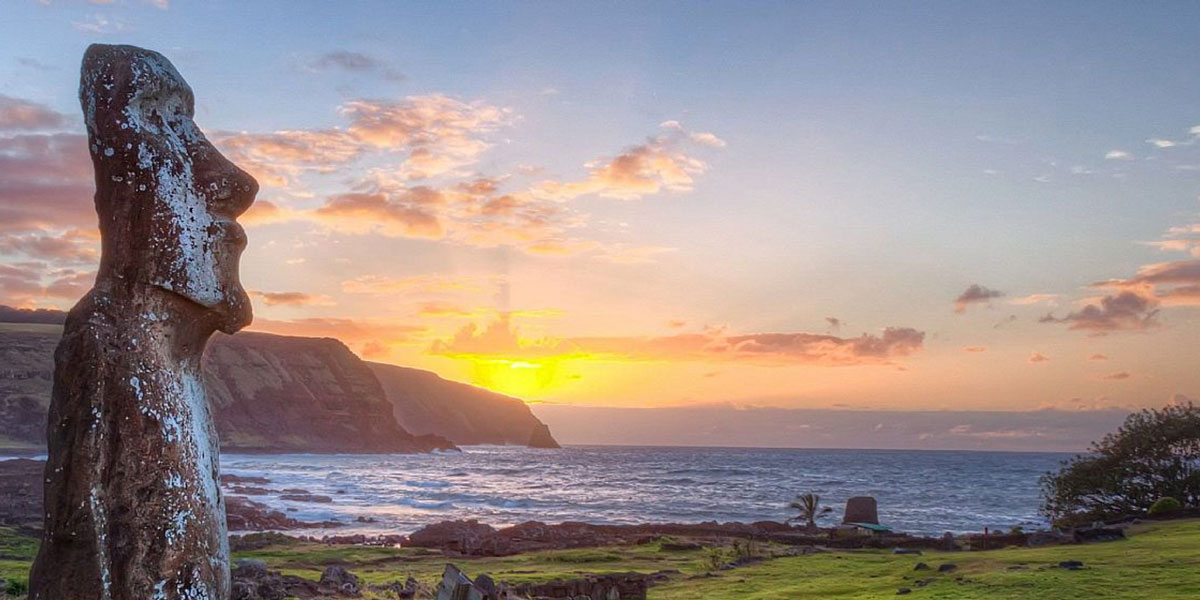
column 1159, row 561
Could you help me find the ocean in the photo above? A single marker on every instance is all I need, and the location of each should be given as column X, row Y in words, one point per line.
column 920, row 492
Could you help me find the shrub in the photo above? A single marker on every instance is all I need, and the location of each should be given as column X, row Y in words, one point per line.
column 1164, row 506
column 1154, row 454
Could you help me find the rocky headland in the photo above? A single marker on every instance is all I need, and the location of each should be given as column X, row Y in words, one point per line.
column 273, row 393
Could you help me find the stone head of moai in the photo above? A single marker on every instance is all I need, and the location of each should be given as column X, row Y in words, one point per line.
column 166, row 198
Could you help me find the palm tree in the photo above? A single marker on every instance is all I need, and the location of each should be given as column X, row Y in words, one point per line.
column 809, row 505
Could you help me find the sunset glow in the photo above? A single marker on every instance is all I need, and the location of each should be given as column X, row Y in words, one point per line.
column 591, row 208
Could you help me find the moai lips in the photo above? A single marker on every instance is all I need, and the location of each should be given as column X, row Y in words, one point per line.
column 133, row 509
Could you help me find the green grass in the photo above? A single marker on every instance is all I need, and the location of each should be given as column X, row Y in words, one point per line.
column 1160, row 560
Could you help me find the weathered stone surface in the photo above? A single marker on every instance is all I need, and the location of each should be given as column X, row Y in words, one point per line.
column 133, row 506
column 861, row 509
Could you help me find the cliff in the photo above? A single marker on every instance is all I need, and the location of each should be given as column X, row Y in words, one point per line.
column 423, row 402
column 26, row 376
column 275, row 393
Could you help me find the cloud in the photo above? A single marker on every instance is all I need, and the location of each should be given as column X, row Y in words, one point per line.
column 1125, row 311
column 658, row 164
column 101, row 25
column 973, row 295
column 29, row 284
column 1174, row 283
column 440, row 133
column 293, row 299
column 501, row 339
column 1005, row 322
column 407, row 213
column 1160, row 143
column 1118, row 155
column 416, row 284
column 835, row 324
column 72, row 246
column 354, row 62
column 17, row 114
column 1051, row 299
column 277, row 158
column 350, row 331
column 1038, row 357
column 45, row 183
column 1117, row 376
column 975, row 349
column 1098, row 357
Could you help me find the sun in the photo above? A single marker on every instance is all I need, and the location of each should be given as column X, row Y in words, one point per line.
column 524, row 378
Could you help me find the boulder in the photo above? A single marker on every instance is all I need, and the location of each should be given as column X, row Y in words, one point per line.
column 339, row 580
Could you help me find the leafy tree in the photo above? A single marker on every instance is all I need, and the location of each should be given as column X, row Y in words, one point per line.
column 1154, row 454
column 809, row 505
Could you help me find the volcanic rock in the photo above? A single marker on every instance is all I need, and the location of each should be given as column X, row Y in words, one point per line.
column 861, row 509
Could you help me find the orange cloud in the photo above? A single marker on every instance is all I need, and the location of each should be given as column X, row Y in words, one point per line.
column 501, row 339
column 293, row 299
column 17, row 114
column 408, row 213
column 440, row 132
column 1038, row 357
column 416, row 284
column 643, row 170
column 354, row 332
column 975, row 349
column 1125, row 311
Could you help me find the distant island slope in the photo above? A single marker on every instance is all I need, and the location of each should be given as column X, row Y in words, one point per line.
column 274, row 393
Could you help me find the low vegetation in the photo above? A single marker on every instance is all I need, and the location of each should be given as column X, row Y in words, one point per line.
column 1160, row 560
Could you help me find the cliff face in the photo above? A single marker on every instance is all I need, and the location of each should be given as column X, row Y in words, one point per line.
column 275, row 393
column 26, row 376
column 425, row 403
column 287, row 394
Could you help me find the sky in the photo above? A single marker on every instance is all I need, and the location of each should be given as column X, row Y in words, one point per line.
column 962, row 206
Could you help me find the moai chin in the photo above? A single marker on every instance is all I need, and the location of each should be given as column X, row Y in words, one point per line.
column 133, row 506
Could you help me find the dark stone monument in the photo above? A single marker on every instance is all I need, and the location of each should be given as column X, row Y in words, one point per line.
column 133, row 510
column 861, row 509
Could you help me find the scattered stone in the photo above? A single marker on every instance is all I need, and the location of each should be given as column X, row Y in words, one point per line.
column 680, row 546
column 905, row 551
column 902, row 591
column 947, row 567
column 1071, row 565
column 340, row 580
column 921, row 567
column 244, row 514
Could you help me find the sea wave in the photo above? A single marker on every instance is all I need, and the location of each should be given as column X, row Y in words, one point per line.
column 919, row 492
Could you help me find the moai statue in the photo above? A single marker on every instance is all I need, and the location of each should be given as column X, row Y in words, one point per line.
column 133, row 506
